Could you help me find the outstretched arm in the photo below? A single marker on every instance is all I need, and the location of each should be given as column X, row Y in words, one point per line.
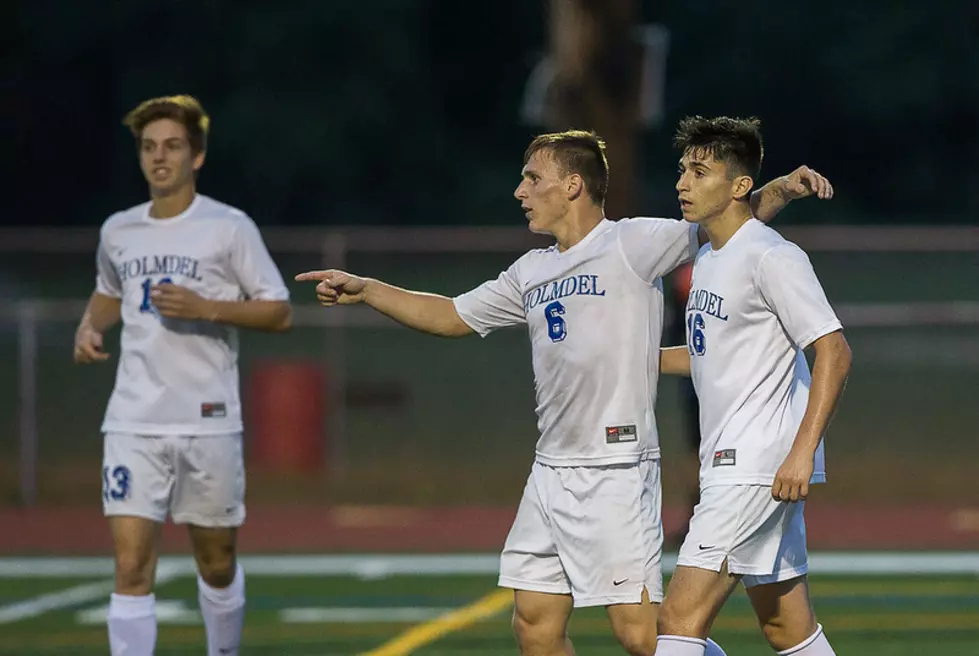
column 428, row 313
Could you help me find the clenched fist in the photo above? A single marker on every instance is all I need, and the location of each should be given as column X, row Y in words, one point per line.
column 792, row 478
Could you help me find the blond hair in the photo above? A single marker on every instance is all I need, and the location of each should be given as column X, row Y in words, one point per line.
column 183, row 109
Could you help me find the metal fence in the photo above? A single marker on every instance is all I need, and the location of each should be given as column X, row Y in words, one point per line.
column 411, row 418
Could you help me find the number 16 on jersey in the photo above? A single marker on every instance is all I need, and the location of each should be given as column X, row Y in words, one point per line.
column 696, row 340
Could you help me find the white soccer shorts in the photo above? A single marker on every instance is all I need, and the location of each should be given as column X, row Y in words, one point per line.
column 592, row 532
column 199, row 480
column 761, row 538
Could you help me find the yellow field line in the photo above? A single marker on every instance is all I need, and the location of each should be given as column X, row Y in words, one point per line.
column 423, row 634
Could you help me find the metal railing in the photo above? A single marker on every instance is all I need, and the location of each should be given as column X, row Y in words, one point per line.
column 334, row 245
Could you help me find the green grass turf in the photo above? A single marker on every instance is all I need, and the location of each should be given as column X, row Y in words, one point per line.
column 890, row 616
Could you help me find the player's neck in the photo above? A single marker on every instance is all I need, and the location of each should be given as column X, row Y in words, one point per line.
column 167, row 206
column 576, row 226
column 721, row 228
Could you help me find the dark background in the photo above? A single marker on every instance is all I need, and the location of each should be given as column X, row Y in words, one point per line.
column 396, row 112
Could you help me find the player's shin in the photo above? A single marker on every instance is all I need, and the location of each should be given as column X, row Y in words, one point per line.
column 814, row 645
column 223, row 610
column 132, row 625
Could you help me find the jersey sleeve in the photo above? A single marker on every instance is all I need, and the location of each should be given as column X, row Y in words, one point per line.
column 654, row 247
column 107, row 281
column 494, row 304
column 790, row 288
column 253, row 267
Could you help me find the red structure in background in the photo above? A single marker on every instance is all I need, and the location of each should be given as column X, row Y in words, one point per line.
column 286, row 406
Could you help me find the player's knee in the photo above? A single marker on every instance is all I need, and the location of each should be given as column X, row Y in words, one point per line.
column 634, row 627
column 134, row 572
column 537, row 632
column 216, row 565
column 637, row 640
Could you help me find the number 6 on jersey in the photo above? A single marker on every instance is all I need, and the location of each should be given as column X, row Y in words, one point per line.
column 557, row 330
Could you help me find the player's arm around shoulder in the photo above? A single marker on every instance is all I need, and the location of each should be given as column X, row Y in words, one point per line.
column 674, row 360
column 803, row 182
column 429, row 313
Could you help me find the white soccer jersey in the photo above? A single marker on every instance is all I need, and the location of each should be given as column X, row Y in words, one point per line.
column 595, row 317
column 174, row 376
column 754, row 305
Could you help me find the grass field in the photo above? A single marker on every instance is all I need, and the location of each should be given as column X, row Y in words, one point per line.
column 350, row 605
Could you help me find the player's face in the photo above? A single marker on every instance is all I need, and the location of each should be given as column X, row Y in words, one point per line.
column 543, row 193
column 705, row 188
column 166, row 158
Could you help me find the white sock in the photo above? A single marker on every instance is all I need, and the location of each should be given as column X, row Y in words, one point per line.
column 673, row 645
column 132, row 625
column 814, row 645
column 714, row 649
column 223, row 610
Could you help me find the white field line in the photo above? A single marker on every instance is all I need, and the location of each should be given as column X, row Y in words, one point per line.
column 354, row 615
column 74, row 596
column 381, row 566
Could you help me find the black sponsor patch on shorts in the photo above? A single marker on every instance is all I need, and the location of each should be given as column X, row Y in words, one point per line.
column 724, row 457
column 616, row 434
column 213, row 410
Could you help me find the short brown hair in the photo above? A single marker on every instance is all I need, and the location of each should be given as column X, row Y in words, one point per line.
column 185, row 110
column 735, row 141
column 577, row 151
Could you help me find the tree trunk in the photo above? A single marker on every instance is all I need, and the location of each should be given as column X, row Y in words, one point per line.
column 596, row 85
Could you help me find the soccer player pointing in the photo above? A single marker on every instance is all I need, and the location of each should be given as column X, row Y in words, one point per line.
column 588, row 530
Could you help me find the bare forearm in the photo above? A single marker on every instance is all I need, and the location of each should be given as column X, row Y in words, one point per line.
column 428, row 313
column 268, row 316
column 768, row 201
column 674, row 360
column 101, row 313
column 829, row 373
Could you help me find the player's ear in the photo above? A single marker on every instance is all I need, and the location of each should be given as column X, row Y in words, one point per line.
column 742, row 186
column 574, row 186
column 199, row 160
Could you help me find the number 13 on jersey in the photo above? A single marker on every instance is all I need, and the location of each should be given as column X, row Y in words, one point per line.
column 147, row 304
